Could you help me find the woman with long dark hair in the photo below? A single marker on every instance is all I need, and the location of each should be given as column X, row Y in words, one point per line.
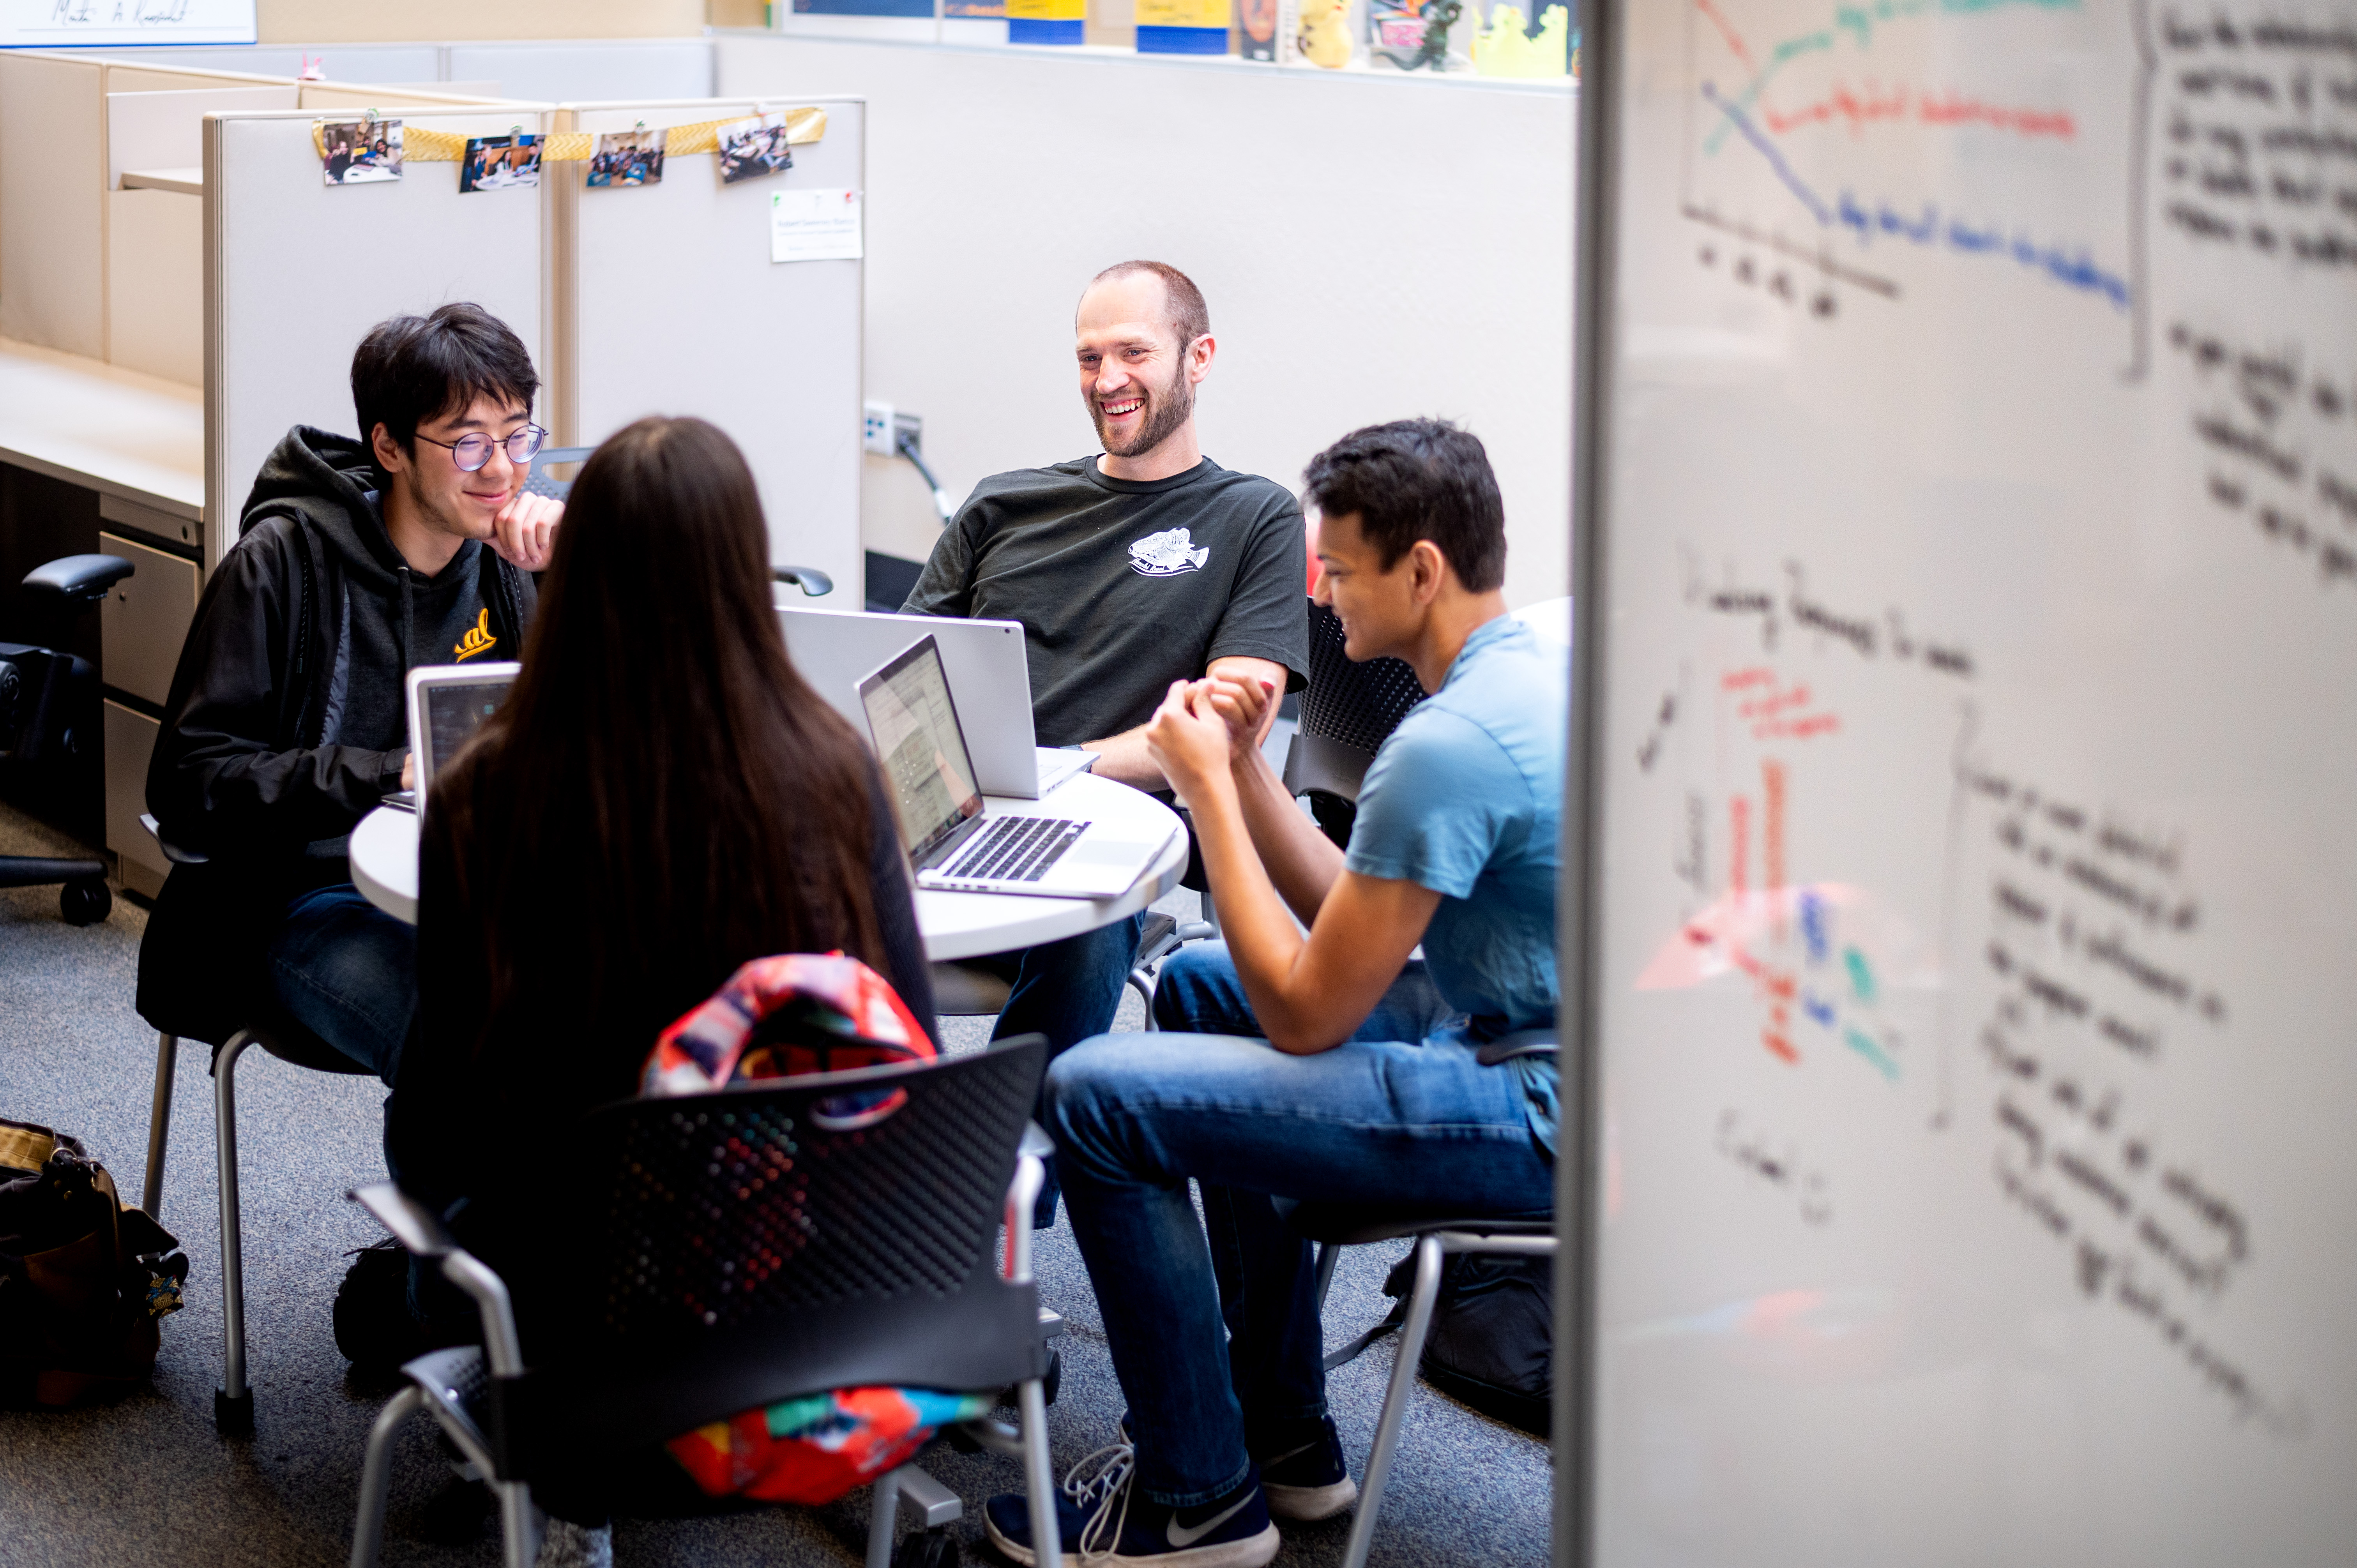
column 659, row 799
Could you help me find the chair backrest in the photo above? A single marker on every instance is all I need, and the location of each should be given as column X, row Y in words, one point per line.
column 1358, row 705
column 540, row 482
column 765, row 1242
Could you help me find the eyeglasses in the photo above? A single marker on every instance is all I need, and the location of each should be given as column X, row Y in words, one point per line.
column 471, row 452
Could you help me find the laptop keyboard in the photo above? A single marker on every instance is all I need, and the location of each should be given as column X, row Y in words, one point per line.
column 1015, row 849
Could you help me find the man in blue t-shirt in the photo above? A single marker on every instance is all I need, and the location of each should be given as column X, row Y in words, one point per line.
column 1327, row 1066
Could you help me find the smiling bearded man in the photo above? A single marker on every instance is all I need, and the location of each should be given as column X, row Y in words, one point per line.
column 1129, row 569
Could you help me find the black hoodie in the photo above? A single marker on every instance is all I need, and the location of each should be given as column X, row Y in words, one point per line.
column 308, row 610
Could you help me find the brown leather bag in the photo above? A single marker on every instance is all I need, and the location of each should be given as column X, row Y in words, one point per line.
column 83, row 1279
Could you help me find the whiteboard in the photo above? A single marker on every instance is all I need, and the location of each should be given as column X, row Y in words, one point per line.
column 1970, row 575
column 75, row 24
column 670, row 304
column 297, row 271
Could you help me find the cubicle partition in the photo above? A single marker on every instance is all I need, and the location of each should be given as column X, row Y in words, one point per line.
column 297, row 271
column 667, row 301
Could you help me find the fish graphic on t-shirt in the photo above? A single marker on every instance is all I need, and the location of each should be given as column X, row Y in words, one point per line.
column 1167, row 553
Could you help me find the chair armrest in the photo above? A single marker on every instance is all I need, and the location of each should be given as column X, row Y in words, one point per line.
column 414, row 1225
column 172, row 852
column 419, row 1230
column 1520, row 1043
column 78, row 579
column 812, row 582
column 1030, row 1176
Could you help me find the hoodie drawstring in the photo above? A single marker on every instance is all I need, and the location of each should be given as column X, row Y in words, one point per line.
column 402, row 572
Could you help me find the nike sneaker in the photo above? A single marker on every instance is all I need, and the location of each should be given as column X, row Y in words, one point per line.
column 1102, row 1518
column 1308, row 1480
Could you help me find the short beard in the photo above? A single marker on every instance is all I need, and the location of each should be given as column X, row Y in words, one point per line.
column 1166, row 411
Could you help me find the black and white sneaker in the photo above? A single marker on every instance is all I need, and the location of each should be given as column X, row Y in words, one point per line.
column 1308, row 1480
column 1102, row 1520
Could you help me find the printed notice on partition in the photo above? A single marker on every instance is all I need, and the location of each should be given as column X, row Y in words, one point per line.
column 64, row 24
column 814, row 226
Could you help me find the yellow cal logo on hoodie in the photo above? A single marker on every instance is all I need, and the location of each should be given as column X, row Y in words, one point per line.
column 478, row 639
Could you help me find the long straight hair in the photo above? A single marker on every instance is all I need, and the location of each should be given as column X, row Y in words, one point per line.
column 661, row 797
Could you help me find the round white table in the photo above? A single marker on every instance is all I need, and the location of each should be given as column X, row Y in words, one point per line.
column 955, row 925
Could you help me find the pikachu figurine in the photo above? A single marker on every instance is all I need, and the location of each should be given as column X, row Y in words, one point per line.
column 1326, row 33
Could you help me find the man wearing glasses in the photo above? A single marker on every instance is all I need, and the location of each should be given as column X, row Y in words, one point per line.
column 356, row 561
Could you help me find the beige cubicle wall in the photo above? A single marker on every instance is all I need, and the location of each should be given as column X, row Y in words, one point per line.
column 297, row 271
column 100, row 209
column 667, row 302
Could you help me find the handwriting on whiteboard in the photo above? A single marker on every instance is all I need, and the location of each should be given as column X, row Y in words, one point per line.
column 2092, row 942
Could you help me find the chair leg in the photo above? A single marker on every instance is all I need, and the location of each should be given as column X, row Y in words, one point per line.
column 232, row 1401
column 376, row 1475
column 1143, row 983
column 1039, row 1475
column 519, row 1524
column 1328, row 1254
column 1428, row 1259
column 883, row 1505
column 159, row 1125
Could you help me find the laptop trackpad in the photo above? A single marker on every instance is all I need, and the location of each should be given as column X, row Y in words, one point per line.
column 1092, row 851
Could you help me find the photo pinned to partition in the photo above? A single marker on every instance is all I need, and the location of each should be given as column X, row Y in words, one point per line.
column 500, row 163
column 628, row 157
column 360, row 152
column 751, row 148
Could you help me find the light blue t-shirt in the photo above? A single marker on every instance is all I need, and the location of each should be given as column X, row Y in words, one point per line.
column 1465, row 797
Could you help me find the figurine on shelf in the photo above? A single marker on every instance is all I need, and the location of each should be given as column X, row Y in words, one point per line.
column 1507, row 49
column 1326, row 33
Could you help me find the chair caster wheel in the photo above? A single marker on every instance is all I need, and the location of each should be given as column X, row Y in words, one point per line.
column 84, row 903
column 932, row 1549
column 233, row 1417
column 1054, row 1376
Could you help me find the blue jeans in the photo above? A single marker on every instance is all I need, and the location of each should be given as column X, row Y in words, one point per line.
column 346, row 970
column 1391, row 1116
column 1066, row 991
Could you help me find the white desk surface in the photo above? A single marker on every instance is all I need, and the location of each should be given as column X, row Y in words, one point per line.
column 113, row 431
column 955, row 925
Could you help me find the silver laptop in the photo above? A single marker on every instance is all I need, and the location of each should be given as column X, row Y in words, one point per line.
column 447, row 704
column 952, row 841
column 988, row 675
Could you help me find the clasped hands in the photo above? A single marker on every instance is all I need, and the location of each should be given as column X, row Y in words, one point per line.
column 1206, row 729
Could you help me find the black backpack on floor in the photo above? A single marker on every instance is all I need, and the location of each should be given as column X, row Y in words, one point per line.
column 82, row 1278
column 1492, row 1334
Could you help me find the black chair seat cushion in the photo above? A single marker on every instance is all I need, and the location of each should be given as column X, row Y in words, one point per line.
column 289, row 1041
column 1356, row 1224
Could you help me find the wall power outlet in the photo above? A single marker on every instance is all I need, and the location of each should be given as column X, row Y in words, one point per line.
column 876, row 428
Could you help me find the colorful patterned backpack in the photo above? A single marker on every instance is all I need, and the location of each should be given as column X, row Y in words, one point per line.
column 781, row 1017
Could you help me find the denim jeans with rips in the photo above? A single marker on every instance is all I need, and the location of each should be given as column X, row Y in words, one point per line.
column 1400, row 1113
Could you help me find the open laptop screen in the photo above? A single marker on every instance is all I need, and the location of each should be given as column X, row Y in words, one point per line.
column 454, row 713
column 922, row 746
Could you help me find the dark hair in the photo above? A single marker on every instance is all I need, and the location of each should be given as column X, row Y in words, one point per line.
column 413, row 369
column 1182, row 302
column 662, row 798
column 1418, row 478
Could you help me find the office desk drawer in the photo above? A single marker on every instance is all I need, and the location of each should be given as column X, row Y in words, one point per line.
column 145, row 618
column 130, row 742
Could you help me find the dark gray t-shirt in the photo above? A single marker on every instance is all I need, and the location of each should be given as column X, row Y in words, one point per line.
column 1124, row 586
column 448, row 624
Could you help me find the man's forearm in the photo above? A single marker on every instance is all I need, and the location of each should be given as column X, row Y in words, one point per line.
column 1125, row 760
column 1263, row 942
column 1301, row 861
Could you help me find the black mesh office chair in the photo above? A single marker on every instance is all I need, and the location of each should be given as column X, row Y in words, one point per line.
column 724, row 1252
column 1437, row 1233
column 1347, row 712
column 538, row 481
column 49, row 720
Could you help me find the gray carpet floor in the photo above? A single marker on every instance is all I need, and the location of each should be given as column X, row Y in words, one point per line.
column 146, row 1479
